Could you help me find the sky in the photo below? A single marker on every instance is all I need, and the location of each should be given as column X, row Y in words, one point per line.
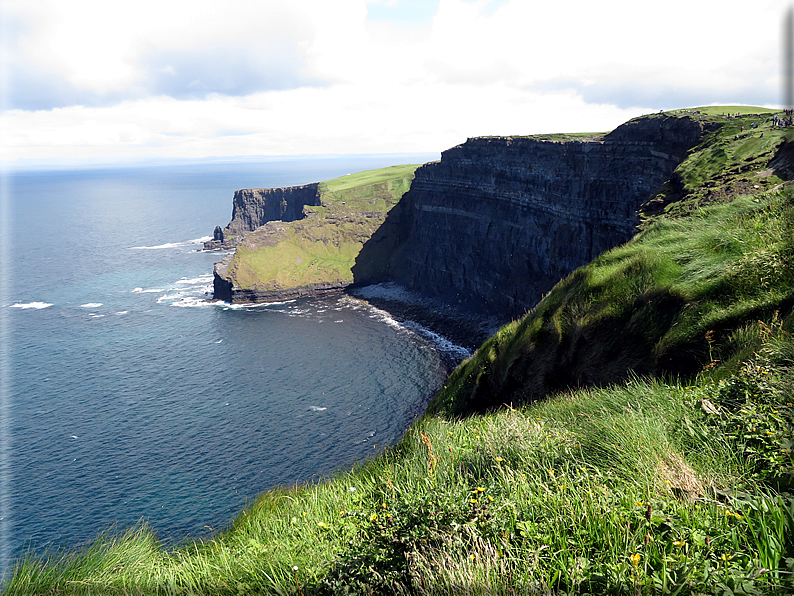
column 93, row 81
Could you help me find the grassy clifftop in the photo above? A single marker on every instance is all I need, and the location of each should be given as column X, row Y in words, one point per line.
column 672, row 473
column 322, row 247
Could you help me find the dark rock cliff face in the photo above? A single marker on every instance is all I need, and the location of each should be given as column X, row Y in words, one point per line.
column 498, row 221
column 255, row 207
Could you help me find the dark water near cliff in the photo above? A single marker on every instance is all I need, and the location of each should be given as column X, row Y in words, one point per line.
column 131, row 398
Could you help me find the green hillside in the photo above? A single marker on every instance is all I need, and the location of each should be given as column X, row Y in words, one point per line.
column 631, row 434
column 322, row 247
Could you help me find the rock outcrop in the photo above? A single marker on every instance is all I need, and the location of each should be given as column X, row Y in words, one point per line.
column 498, row 221
column 254, row 207
column 302, row 241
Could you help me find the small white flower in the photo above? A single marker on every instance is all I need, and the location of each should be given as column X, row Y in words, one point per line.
column 352, row 489
column 295, row 568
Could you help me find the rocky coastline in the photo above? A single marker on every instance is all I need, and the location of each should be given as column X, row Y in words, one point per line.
column 489, row 228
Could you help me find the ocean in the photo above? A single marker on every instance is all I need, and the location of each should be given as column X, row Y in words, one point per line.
column 128, row 396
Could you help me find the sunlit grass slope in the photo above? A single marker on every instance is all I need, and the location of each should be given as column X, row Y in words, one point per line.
column 322, row 247
column 732, row 158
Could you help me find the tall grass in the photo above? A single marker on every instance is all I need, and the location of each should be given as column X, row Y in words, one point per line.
column 629, row 489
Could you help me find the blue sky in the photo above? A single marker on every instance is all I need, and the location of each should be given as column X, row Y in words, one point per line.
column 91, row 80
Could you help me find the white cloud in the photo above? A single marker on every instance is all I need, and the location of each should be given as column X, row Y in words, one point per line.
column 201, row 78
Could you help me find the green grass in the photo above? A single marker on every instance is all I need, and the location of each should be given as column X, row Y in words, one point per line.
column 568, row 136
column 732, row 159
column 321, row 248
column 730, row 110
column 396, row 178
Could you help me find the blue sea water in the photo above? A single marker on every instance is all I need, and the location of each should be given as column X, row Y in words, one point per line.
column 130, row 397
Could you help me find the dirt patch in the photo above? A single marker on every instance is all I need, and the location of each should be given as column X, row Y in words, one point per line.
column 678, row 478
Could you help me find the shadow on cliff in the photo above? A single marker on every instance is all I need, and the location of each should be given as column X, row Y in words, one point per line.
column 375, row 262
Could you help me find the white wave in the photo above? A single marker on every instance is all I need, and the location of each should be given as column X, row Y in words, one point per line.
column 166, row 297
column 122, row 312
column 95, row 316
column 219, row 341
column 159, row 246
column 384, row 317
column 441, row 343
column 33, row 305
column 253, row 305
column 202, row 279
column 190, row 301
column 142, row 291
column 201, row 240
column 317, row 409
column 91, row 305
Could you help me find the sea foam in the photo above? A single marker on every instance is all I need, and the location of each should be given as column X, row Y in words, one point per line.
column 201, row 240
column 33, row 305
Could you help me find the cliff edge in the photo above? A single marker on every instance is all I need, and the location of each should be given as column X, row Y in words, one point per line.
column 498, row 221
column 301, row 241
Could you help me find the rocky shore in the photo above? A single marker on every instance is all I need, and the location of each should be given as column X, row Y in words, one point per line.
column 460, row 326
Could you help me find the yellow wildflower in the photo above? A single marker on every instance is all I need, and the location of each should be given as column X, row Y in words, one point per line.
column 635, row 559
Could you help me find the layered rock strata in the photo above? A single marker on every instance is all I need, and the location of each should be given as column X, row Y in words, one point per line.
column 254, row 207
column 498, row 221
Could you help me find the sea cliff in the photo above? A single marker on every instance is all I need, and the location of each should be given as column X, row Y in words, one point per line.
column 254, row 207
column 499, row 220
column 302, row 241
